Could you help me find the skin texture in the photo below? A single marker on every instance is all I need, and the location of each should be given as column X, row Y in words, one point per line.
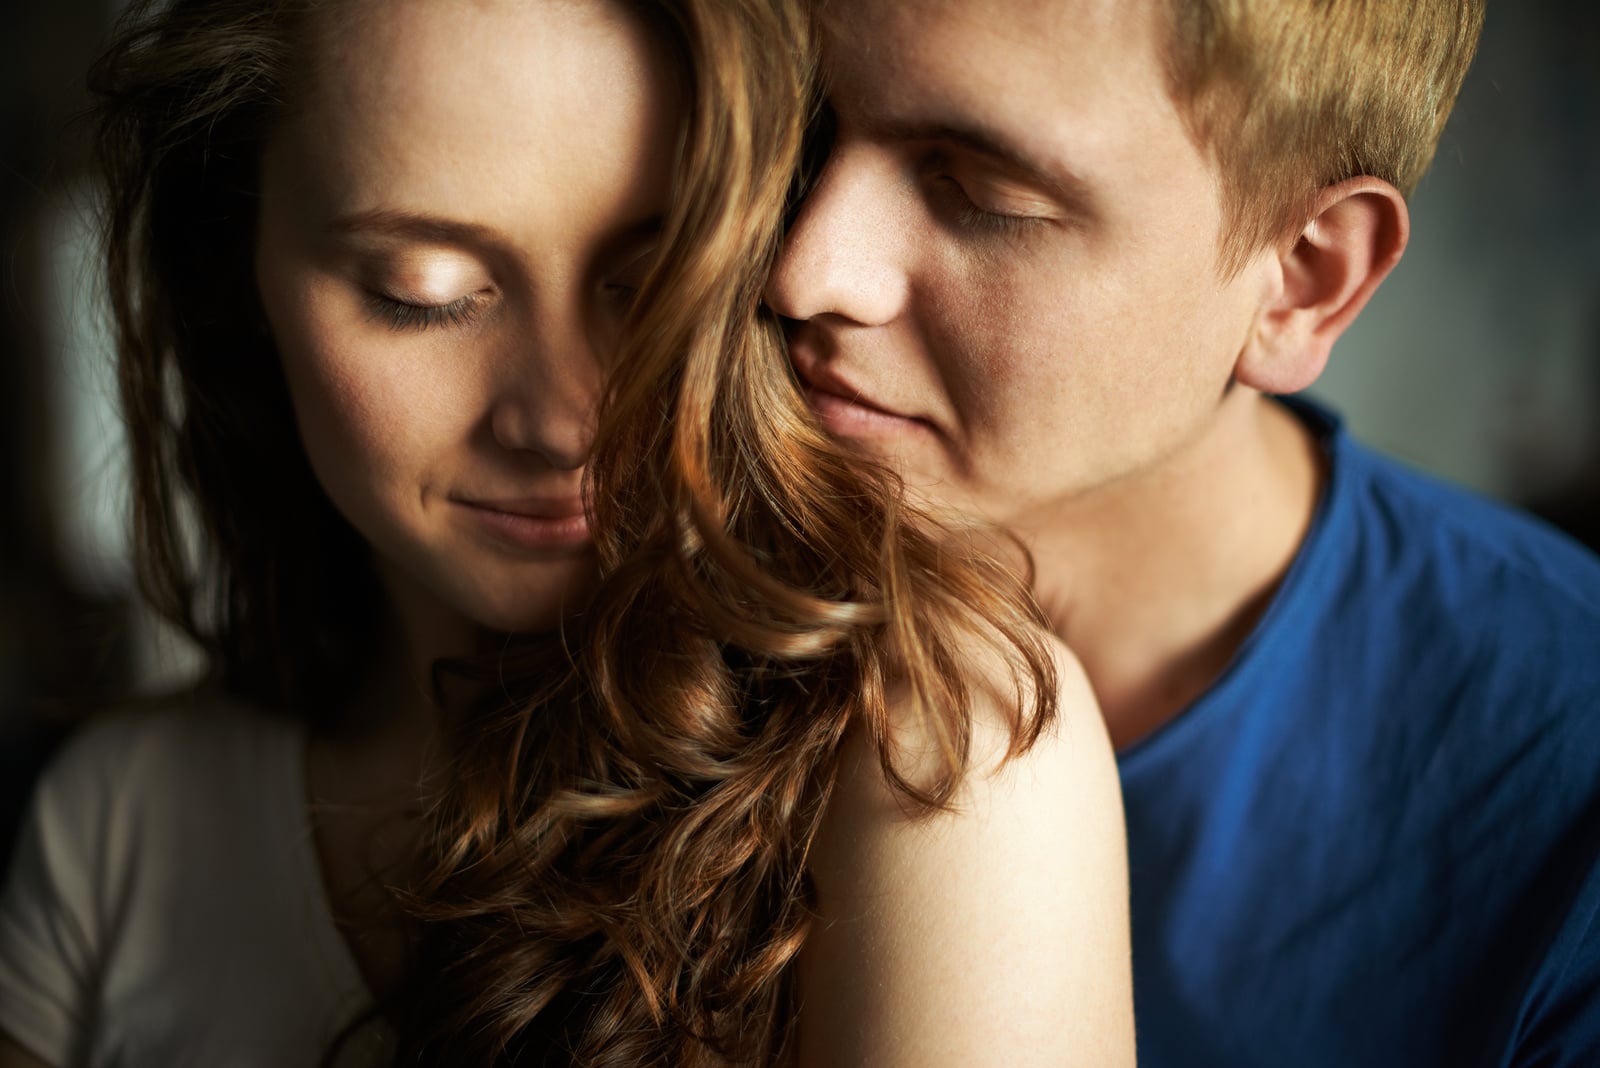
column 992, row 934
column 1006, row 281
column 542, row 134
column 534, row 139
column 1058, row 349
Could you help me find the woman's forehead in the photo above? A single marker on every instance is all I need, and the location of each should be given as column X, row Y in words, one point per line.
column 477, row 109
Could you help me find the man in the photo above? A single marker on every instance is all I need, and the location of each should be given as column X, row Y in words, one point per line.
column 1060, row 256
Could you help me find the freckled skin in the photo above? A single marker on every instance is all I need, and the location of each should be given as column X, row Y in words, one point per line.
column 545, row 131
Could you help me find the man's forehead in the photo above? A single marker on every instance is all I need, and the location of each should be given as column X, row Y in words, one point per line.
column 1031, row 71
column 1030, row 26
column 988, row 47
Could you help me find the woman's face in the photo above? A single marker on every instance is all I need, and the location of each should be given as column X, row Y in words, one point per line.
column 451, row 227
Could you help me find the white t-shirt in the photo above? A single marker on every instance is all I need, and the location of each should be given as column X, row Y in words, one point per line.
column 165, row 906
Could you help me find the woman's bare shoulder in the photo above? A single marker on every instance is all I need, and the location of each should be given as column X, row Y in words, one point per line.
column 992, row 933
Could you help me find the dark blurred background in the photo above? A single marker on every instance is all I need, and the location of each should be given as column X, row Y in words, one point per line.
column 1479, row 360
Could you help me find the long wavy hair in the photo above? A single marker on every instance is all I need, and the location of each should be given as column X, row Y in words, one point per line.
column 618, row 854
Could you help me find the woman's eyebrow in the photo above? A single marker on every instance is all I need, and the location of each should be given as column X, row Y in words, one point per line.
column 417, row 226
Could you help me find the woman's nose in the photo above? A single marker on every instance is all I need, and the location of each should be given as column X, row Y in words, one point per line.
column 547, row 398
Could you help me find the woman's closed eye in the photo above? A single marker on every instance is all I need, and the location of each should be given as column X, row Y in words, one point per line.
column 622, row 284
column 400, row 314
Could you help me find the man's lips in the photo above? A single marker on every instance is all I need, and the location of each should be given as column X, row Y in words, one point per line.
column 848, row 411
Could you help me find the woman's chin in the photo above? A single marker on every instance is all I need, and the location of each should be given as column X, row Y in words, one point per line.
column 535, row 607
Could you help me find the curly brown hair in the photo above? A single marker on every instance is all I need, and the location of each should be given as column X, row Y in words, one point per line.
column 618, row 858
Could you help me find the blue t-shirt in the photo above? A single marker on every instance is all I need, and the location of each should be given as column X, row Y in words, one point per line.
column 1374, row 841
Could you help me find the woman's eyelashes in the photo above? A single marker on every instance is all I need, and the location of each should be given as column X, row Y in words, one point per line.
column 622, row 284
column 400, row 315
column 616, row 290
column 620, row 292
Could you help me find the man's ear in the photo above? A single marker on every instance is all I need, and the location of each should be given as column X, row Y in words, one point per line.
column 1357, row 232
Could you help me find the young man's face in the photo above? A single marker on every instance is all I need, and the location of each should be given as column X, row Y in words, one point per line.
column 1006, row 275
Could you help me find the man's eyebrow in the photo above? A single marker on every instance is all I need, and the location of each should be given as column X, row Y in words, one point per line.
column 1062, row 184
column 416, row 226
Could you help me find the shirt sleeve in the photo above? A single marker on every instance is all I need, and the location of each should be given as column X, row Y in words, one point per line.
column 50, row 935
column 1559, row 1026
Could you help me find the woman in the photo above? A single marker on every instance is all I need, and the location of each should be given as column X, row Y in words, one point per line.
column 662, row 735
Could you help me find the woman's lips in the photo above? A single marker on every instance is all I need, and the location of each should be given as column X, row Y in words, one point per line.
column 532, row 525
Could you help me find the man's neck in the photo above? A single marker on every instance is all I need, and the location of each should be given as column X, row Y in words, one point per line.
column 1157, row 580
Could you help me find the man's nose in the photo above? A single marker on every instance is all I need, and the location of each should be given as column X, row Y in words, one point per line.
column 845, row 254
column 546, row 399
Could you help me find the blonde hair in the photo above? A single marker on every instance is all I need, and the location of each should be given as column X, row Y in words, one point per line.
column 1291, row 96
